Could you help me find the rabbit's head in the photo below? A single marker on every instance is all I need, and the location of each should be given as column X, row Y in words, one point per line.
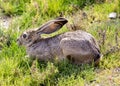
column 29, row 37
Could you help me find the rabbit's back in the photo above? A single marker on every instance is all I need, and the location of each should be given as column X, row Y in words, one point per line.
column 80, row 38
column 80, row 46
column 79, row 34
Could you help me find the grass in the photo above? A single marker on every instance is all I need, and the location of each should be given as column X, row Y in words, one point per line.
column 18, row 70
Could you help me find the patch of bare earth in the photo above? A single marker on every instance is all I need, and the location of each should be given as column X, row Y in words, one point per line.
column 106, row 77
column 5, row 22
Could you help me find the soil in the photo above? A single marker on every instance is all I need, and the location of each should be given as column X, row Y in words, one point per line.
column 106, row 77
column 5, row 22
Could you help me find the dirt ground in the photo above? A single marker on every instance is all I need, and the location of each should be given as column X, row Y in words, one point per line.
column 106, row 77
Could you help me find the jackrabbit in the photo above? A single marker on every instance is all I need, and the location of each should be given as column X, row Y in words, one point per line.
column 78, row 46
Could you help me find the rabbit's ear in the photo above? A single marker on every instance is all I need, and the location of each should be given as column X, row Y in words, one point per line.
column 52, row 26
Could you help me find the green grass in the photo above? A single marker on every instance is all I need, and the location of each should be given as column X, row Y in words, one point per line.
column 18, row 70
column 49, row 7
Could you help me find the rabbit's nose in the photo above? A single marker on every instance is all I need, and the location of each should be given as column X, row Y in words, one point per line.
column 17, row 40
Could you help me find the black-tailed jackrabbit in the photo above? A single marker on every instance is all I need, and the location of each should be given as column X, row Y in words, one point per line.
column 77, row 46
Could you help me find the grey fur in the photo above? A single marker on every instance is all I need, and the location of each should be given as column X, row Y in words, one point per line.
column 77, row 46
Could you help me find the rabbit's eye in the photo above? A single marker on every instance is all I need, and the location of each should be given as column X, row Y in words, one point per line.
column 24, row 35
